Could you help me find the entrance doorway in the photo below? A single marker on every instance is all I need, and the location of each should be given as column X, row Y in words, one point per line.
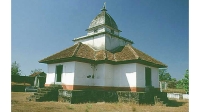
column 59, row 70
column 148, row 81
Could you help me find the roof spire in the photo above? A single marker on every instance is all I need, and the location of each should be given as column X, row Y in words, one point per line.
column 104, row 7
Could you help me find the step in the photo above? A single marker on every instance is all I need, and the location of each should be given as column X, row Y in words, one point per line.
column 44, row 89
column 39, row 94
column 46, row 92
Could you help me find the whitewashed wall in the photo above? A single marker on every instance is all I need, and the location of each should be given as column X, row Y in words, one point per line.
column 99, row 75
column 140, row 69
column 96, row 42
column 82, row 70
column 102, row 41
column 50, row 77
column 105, row 75
column 109, row 74
column 68, row 73
column 98, row 30
column 155, row 77
column 178, row 95
column 124, row 75
column 112, row 42
column 67, row 76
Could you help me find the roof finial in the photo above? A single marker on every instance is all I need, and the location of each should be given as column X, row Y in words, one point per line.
column 104, row 7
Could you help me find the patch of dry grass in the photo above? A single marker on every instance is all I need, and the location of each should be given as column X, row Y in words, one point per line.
column 17, row 83
column 19, row 104
column 175, row 91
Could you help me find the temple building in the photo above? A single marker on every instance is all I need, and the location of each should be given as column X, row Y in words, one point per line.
column 102, row 60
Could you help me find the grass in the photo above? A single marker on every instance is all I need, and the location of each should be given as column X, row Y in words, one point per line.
column 175, row 91
column 70, row 107
column 19, row 104
column 17, row 83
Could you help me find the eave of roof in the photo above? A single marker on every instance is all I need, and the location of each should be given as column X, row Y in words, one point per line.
column 106, row 32
column 36, row 74
column 84, row 53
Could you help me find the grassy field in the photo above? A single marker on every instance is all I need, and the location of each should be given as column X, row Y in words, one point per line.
column 19, row 104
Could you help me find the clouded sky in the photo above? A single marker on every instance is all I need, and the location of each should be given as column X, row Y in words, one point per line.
column 40, row 28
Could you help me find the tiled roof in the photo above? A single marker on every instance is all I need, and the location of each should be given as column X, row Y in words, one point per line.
column 84, row 51
column 37, row 73
column 122, row 54
column 103, row 19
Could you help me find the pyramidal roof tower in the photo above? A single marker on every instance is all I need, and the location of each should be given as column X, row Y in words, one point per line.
column 103, row 33
column 103, row 44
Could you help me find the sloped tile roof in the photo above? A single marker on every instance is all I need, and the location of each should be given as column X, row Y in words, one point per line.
column 84, row 51
column 122, row 54
column 69, row 52
column 37, row 73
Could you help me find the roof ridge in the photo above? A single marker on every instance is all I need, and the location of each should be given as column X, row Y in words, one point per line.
column 76, row 50
column 131, row 47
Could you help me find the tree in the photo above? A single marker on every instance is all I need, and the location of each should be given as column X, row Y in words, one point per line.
column 184, row 83
column 172, row 83
column 36, row 70
column 15, row 69
column 163, row 75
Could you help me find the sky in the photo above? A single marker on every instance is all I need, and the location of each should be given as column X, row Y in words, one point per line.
column 40, row 28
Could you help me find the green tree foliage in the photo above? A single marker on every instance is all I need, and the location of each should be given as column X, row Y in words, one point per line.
column 163, row 75
column 36, row 70
column 179, row 84
column 172, row 83
column 166, row 77
column 184, row 83
column 15, row 69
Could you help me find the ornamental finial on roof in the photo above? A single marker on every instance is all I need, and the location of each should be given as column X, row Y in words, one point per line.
column 104, row 7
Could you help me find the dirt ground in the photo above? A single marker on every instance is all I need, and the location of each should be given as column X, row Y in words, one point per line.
column 19, row 104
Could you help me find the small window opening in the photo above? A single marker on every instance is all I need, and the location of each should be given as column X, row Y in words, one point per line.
column 112, row 31
column 95, row 30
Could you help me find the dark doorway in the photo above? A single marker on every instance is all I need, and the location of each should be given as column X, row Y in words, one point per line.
column 147, row 76
column 59, row 70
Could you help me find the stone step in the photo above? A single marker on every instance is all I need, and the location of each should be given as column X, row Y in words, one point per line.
column 46, row 92
column 44, row 89
column 39, row 94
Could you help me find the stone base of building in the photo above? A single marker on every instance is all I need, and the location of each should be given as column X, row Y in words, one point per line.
column 85, row 96
column 104, row 88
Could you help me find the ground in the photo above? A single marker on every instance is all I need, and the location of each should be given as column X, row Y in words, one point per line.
column 20, row 104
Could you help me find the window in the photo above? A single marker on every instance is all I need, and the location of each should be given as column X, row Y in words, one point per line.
column 59, row 70
column 112, row 31
column 95, row 30
column 147, row 76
